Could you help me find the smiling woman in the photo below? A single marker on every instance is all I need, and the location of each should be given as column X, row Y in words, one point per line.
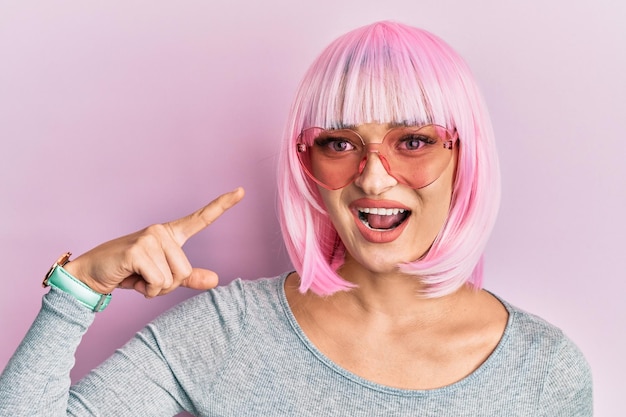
column 389, row 188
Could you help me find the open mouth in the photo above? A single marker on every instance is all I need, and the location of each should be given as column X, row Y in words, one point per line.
column 383, row 219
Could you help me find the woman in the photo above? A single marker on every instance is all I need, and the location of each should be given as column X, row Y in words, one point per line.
column 388, row 191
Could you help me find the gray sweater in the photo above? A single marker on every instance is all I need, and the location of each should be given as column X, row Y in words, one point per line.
column 237, row 350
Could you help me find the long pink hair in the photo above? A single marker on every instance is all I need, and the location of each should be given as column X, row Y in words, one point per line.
column 388, row 72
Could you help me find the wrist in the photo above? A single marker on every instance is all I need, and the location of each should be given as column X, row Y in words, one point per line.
column 62, row 279
column 81, row 269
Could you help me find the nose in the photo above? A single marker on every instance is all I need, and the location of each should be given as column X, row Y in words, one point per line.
column 374, row 178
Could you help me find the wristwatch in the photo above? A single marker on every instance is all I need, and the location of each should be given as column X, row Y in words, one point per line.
column 58, row 277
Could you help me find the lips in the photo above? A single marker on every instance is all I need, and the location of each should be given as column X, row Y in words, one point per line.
column 382, row 218
column 380, row 221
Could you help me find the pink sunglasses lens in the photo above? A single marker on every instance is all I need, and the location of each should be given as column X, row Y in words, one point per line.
column 415, row 156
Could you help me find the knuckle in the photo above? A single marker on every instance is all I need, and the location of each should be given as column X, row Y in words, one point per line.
column 147, row 240
column 185, row 271
column 153, row 288
column 155, row 230
column 203, row 217
column 135, row 251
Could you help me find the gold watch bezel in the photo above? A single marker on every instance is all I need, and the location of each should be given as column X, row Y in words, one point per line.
column 63, row 259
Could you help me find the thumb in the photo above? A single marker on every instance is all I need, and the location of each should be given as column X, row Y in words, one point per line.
column 201, row 279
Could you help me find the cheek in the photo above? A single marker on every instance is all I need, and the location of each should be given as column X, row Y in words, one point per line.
column 340, row 215
column 445, row 183
column 326, row 198
column 435, row 202
column 331, row 201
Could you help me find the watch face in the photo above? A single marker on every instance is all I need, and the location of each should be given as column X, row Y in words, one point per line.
column 63, row 259
column 47, row 277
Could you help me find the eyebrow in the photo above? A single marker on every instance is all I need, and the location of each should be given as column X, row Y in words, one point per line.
column 391, row 125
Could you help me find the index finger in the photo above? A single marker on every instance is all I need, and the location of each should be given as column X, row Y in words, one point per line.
column 187, row 226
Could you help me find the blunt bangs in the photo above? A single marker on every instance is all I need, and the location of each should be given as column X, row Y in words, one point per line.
column 372, row 75
column 392, row 73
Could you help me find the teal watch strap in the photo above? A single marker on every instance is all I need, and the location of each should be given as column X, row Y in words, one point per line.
column 59, row 278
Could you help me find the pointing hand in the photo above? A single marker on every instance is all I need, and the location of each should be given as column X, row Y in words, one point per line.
column 152, row 261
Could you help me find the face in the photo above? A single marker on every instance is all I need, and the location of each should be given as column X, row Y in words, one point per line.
column 382, row 222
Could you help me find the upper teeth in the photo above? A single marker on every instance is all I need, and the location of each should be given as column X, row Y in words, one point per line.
column 382, row 211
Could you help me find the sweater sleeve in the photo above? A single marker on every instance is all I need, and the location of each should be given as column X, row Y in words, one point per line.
column 150, row 376
column 36, row 380
column 567, row 391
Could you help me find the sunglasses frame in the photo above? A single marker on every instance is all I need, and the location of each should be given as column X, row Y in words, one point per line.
column 451, row 138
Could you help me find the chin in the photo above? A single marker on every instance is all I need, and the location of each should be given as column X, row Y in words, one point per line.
column 382, row 261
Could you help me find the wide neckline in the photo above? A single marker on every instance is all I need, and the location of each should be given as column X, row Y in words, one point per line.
column 326, row 361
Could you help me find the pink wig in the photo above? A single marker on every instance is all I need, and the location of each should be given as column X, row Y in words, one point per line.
column 391, row 73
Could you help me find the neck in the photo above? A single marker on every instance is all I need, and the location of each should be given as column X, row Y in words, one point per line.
column 396, row 296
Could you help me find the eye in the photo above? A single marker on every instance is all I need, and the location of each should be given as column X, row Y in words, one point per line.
column 413, row 142
column 334, row 144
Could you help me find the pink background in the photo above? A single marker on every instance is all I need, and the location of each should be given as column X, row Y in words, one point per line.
column 117, row 114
